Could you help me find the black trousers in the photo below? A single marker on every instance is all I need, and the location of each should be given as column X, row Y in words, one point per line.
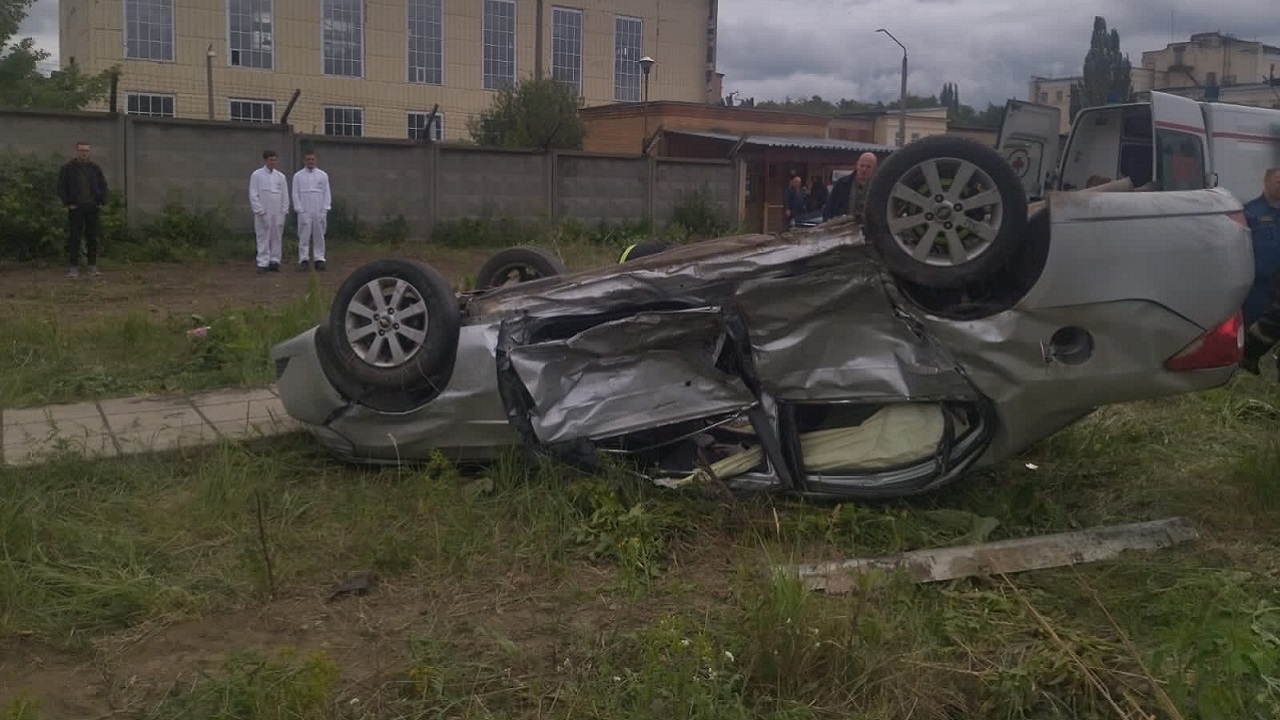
column 83, row 224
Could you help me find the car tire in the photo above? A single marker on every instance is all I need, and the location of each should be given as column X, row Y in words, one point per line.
column 391, row 356
column 529, row 263
column 937, row 236
column 643, row 249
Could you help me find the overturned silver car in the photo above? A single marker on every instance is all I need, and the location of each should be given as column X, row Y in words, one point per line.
column 955, row 329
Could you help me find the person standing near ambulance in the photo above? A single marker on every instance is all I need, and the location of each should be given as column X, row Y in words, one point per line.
column 269, row 199
column 1262, row 306
column 312, row 200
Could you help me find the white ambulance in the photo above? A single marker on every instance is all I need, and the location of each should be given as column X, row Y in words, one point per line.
column 1167, row 143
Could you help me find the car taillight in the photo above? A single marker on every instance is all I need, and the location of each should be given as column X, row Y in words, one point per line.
column 1220, row 347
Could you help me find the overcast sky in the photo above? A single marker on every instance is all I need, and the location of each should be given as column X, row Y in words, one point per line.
column 771, row 49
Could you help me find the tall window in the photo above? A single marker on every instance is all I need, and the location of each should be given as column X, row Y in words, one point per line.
column 343, row 37
column 249, row 23
column 149, row 105
column 566, row 47
column 499, row 44
column 627, row 35
column 259, row 111
column 148, row 29
column 418, row 126
column 426, row 41
column 343, row 121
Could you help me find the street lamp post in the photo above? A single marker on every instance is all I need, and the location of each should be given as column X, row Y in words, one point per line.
column 208, row 77
column 646, row 64
column 902, row 98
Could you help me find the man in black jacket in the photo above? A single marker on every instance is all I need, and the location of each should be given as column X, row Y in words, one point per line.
column 82, row 187
column 848, row 195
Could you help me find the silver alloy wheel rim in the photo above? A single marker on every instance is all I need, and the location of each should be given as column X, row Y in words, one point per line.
column 945, row 212
column 386, row 322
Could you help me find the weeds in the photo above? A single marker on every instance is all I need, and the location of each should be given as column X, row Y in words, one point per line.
column 135, row 353
column 250, row 687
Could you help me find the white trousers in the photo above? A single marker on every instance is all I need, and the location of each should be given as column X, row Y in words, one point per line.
column 269, row 229
column 311, row 226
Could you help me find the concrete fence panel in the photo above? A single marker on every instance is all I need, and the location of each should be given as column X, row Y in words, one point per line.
column 208, row 163
column 675, row 179
column 56, row 133
column 202, row 163
column 601, row 188
column 483, row 182
column 374, row 178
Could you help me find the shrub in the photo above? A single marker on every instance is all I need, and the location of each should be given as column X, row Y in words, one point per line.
column 698, row 214
column 33, row 223
column 346, row 225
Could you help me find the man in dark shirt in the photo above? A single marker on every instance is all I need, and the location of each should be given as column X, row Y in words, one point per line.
column 793, row 203
column 849, row 194
column 82, row 187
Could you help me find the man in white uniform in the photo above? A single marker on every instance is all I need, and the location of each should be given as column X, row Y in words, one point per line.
column 312, row 200
column 269, row 198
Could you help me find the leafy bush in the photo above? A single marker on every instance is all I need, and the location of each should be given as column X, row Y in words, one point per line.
column 33, row 223
column 345, row 225
column 507, row 232
column 699, row 215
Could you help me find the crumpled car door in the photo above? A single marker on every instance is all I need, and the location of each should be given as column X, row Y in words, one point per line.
column 646, row 369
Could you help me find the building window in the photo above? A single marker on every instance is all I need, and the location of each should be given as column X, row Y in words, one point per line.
column 344, row 121
column 499, row 44
column 426, row 41
column 259, row 111
column 628, row 33
column 1058, row 96
column 149, row 105
column 418, row 126
column 343, row 38
column 148, row 29
column 566, row 47
column 249, row 33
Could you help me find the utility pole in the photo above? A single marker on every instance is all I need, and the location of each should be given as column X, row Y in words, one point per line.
column 902, row 97
column 208, row 77
column 537, row 42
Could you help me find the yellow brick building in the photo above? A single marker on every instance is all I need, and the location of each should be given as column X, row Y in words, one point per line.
column 376, row 68
column 1055, row 91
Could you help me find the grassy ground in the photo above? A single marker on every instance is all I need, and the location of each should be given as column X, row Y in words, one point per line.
column 63, row 340
column 197, row 586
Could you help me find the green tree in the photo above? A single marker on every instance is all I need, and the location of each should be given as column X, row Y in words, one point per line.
column 540, row 114
column 1106, row 76
column 22, row 85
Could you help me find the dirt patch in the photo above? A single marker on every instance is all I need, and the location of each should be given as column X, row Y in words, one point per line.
column 367, row 637
column 165, row 290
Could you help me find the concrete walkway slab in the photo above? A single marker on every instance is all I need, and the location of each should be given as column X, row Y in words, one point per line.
column 243, row 414
column 149, row 424
column 124, row 426
column 30, row 434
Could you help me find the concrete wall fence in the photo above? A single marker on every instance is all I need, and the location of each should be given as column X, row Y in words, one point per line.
column 208, row 163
